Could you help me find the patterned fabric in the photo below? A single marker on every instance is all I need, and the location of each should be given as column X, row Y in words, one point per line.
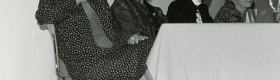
column 83, row 59
column 229, row 14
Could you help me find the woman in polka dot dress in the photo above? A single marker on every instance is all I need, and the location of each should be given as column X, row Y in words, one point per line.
column 83, row 59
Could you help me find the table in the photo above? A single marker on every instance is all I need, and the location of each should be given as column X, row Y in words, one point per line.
column 216, row 52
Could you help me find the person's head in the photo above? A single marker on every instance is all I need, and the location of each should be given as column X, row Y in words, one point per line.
column 243, row 4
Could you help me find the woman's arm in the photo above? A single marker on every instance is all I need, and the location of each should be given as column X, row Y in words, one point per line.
column 54, row 11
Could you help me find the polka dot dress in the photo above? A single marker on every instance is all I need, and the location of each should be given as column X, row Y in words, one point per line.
column 84, row 60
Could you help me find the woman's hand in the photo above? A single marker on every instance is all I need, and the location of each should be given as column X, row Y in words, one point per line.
column 80, row 1
column 136, row 38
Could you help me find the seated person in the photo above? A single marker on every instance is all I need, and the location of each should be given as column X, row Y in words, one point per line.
column 138, row 17
column 90, row 42
column 188, row 11
column 236, row 11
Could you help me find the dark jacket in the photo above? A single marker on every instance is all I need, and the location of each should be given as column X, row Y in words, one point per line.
column 134, row 18
column 184, row 11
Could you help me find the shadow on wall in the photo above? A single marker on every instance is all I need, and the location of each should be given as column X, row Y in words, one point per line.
column 207, row 2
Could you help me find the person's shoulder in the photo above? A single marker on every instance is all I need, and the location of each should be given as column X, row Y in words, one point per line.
column 120, row 4
column 175, row 2
column 158, row 9
column 203, row 7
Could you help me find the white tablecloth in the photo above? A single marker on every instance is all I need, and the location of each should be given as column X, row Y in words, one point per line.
column 216, row 52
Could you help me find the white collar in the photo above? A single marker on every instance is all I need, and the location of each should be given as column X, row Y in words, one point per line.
column 196, row 2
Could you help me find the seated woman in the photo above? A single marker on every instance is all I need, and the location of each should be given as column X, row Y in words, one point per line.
column 236, row 11
column 90, row 42
column 188, row 11
column 138, row 17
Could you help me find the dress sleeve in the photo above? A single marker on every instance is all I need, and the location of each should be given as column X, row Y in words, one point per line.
column 123, row 15
column 54, row 11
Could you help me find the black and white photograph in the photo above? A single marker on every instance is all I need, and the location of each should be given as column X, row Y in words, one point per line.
column 140, row 40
